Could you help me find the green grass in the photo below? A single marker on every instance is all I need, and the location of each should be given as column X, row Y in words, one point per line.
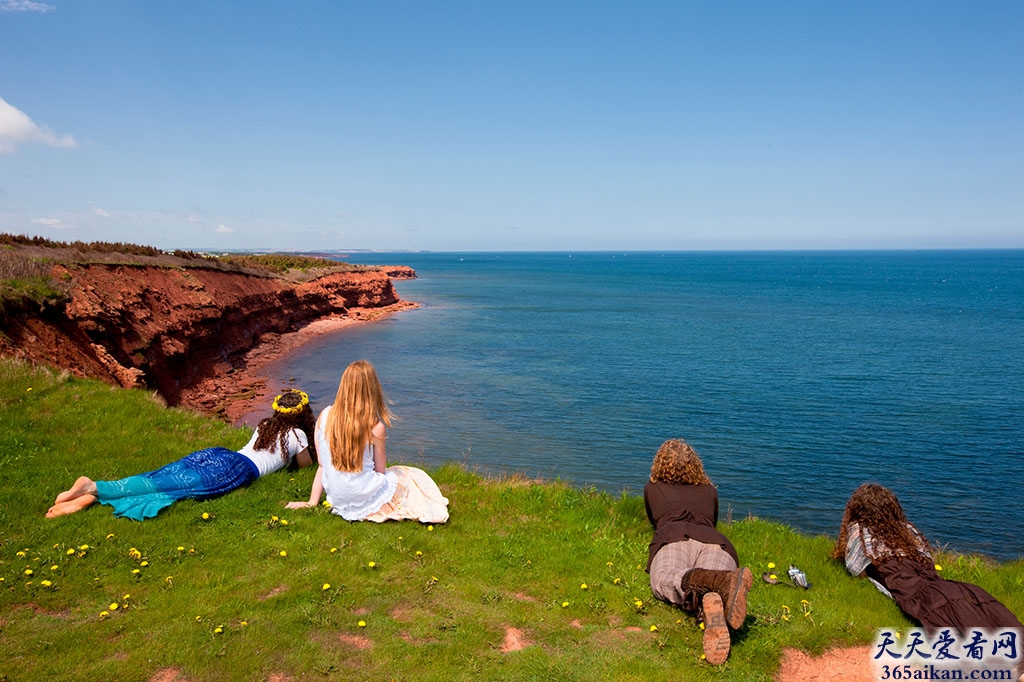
column 436, row 605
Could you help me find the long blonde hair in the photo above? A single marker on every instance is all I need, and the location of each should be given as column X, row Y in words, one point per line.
column 357, row 408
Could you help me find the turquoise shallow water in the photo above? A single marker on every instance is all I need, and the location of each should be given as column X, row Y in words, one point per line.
column 796, row 376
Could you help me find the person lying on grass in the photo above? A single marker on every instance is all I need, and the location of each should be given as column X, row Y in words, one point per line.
column 876, row 540
column 691, row 563
column 283, row 439
column 351, row 436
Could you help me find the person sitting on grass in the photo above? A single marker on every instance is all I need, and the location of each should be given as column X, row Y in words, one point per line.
column 691, row 563
column 876, row 540
column 351, row 438
column 285, row 438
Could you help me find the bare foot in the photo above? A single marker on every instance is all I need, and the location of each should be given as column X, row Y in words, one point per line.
column 71, row 506
column 83, row 486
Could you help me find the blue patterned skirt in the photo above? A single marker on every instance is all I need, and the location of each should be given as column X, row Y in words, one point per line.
column 200, row 475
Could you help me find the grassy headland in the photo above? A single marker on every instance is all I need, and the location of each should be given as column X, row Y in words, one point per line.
column 240, row 588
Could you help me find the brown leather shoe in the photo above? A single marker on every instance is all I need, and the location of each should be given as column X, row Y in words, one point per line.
column 716, row 633
column 731, row 586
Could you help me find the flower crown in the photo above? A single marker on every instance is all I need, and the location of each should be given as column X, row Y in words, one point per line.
column 303, row 402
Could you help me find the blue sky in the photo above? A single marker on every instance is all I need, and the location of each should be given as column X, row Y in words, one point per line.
column 513, row 125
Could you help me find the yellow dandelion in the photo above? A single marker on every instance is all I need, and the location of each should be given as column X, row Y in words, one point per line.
column 284, row 553
column 701, row 625
column 27, row 390
column 584, row 586
column 419, row 553
column 400, row 538
column 654, row 628
column 773, row 577
column 84, row 547
column 372, row 564
column 217, row 630
column 679, row 621
column 45, row 583
column 70, row 552
column 617, row 581
column 284, row 522
column 144, row 564
column 114, row 606
column 20, row 554
column 326, row 586
column 244, row 624
column 206, row 516
column 110, row 535
column 325, row 503
column 703, row 657
column 333, row 550
column 28, row 571
column 136, row 571
column 565, row 605
column 430, row 528
column 54, row 567
column 180, row 548
column 771, row 564
column 361, row 623
column 938, row 567
column 104, row 614
column 198, row 618
column 638, row 603
column 804, row 601
column 274, row 519
column 609, row 563
column 126, row 597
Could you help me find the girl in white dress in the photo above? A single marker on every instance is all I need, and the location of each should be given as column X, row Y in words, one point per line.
column 351, row 438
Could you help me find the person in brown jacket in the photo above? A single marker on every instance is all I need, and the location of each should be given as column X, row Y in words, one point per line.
column 691, row 563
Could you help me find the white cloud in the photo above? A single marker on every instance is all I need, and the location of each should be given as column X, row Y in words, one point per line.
column 99, row 211
column 223, row 229
column 25, row 6
column 17, row 128
column 55, row 223
column 192, row 219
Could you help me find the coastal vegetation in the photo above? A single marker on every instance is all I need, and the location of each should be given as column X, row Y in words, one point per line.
column 529, row 579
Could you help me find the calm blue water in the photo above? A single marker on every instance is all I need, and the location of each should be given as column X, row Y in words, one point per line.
column 796, row 376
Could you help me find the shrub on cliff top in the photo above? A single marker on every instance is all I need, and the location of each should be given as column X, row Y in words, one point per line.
column 283, row 262
column 24, row 280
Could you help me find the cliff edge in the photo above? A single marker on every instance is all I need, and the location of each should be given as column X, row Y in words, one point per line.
column 186, row 332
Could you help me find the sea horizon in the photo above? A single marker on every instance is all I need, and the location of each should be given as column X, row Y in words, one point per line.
column 795, row 374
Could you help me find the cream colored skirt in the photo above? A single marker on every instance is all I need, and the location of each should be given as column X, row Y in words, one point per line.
column 416, row 497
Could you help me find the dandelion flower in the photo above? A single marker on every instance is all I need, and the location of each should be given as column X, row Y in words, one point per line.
column 20, row 554
column 937, row 567
column 325, row 503
column 45, row 583
column 654, row 628
column 84, row 547
column 198, row 618
column 400, row 538
column 333, row 550
column 284, row 522
column 419, row 553
column 326, row 586
column 244, row 624
column 771, row 564
column 54, row 567
column 773, row 577
column 70, row 552
column 284, row 553
column 114, row 606
column 584, row 586
column 136, row 571
column 144, row 564
column 110, row 535
column 217, row 630
column 361, row 623
column 609, row 563
column 274, row 519
column 703, row 657
column 125, row 597
column 565, row 604
column 180, row 548
column 372, row 564
column 28, row 571
column 104, row 614
column 206, row 516
column 702, row 626
column 430, row 528
column 617, row 581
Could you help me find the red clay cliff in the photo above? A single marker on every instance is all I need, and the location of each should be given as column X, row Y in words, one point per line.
column 195, row 335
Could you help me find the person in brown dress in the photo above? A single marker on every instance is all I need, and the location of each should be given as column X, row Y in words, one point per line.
column 691, row 563
column 877, row 541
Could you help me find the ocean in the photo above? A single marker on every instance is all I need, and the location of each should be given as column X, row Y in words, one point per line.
column 796, row 376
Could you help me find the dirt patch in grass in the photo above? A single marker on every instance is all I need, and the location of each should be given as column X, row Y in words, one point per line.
column 515, row 640
column 273, row 593
column 168, row 675
column 356, row 641
column 848, row 664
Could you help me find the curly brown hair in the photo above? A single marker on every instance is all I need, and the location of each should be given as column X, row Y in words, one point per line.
column 276, row 427
column 677, row 462
column 876, row 508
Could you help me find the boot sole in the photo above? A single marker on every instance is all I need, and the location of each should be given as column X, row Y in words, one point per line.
column 736, row 609
column 716, row 632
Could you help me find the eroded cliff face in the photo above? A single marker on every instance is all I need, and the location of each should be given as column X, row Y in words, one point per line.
column 171, row 328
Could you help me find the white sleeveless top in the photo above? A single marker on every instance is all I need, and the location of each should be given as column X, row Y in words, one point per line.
column 353, row 495
column 269, row 461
